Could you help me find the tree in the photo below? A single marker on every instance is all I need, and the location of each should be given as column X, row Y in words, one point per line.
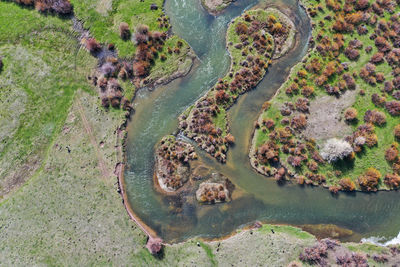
column 336, row 149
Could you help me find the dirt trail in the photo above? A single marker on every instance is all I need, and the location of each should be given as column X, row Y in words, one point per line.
column 102, row 166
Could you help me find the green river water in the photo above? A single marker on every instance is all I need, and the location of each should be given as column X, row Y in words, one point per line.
column 257, row 197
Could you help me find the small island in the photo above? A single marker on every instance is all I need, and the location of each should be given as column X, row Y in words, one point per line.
column 172, row 163
column 215, row 7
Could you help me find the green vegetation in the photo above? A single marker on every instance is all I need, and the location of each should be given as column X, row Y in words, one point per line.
column 103, row 17
column 42, row 71
column 348, row 66
column 253, row 39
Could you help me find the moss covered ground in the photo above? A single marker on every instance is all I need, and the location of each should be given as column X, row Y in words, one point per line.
column 327, row 49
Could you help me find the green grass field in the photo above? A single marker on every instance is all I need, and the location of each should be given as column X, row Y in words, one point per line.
column 43, row 68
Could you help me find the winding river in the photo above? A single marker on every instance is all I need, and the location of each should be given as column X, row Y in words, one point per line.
column 256, row 197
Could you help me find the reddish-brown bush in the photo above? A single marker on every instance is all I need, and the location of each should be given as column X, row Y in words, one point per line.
column 347, row 184
column 393, row 107
column 350, row 114
column 396, row 131
column 92, row 45
column 124, row 31
column 61, row 7
column 392, row 180
column 268, row 152
column 221, row 96
column 302, row 104
column 241, row 28
column 362, row 4
column 382, row 44
column 378, row 100
column 391, row 154
column 351, row 53
column 369, row 181
column 292, row 89
column 377, row 58
column 307, row 91
column 269, row 123
column 376, row 117
column 299, row 121
column 141, row 68
column 295, row 161
column 330, row 69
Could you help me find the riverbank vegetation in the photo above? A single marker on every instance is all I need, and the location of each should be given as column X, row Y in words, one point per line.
column 334, row 121
column 253, row 39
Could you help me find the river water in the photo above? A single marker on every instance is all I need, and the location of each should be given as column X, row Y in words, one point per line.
column 256, row 197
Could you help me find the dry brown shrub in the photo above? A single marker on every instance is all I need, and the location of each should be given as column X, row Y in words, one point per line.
column 369, row 181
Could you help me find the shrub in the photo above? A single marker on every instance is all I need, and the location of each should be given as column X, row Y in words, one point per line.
column 92, row 45
column 295, row 161
column 142, row 29
column 268, row 152
column 351, row 53
column 316, row 254
column 376, row 117
column 230, row 139
column 393, row 107
column 1, row 64
column 350, row 114
column 221, row 96
column 347, row 184
column 141, row 68
column 377, row 58
column 382, row 44
column 396, row 131
column 336, row 149
column 362, row 4
column 307, row 91
column 124, row 31
column 299, row 121
column 61, row 7
column 302, row 104
column 391, row 153
column 392, row 180
column 241, row 28
column 292, row 89
column 369, row 180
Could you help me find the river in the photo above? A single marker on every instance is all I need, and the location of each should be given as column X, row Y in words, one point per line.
column 256, row 197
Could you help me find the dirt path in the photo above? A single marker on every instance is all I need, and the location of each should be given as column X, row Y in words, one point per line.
column 102, row 166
